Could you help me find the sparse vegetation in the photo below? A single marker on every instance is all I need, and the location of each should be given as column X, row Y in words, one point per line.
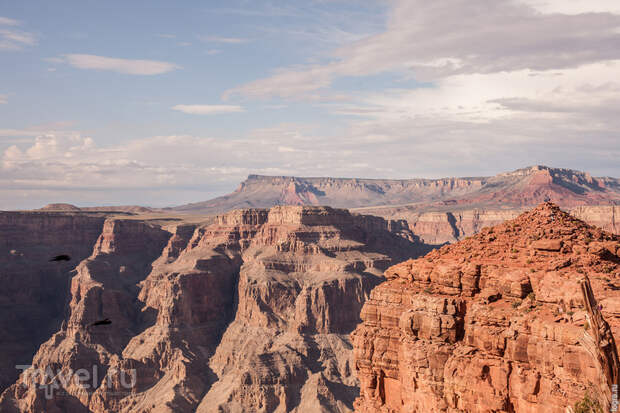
column 529, row 261
column 514, row 250
column 532, row 296
column 516, row 304
column 586, row 326
column 532, row 270
column 588, row 405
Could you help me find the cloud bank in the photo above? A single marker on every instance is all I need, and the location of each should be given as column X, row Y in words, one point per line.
column 207, row 109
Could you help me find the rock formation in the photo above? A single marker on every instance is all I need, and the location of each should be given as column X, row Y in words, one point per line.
column 519, row 318
column 250, row 313
column 34, row 289
column 438, row 227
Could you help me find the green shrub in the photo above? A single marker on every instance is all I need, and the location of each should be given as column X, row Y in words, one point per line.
column 588, row 405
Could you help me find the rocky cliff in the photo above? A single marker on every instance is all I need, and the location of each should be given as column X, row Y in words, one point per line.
column 34, row 289
column 442, row 226
column 250, row 313
column 519, row 318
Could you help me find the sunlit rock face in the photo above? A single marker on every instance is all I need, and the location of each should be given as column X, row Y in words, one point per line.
column 495, row 323
column 250, row 313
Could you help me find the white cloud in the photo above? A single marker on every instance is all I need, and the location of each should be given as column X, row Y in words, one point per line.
column 432, row 40
column 221, row 39
column 5, row 21
column 126, row 66
column 11, row 39
column 575, row 6
column 207, row 109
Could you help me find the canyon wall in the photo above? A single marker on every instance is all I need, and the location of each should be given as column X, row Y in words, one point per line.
column 250, row 313
column 447, row 226
column 496, row 323
column 34, row 289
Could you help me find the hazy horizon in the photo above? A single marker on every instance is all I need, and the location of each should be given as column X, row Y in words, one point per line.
column 143, row 103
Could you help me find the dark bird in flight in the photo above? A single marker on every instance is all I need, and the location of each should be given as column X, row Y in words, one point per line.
column 104, row 322
column 61, row 258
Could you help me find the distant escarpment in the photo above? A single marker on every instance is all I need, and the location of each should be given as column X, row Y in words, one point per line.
column 438, row 211
column 520, row 188
column 250, row 313
column 523, row 317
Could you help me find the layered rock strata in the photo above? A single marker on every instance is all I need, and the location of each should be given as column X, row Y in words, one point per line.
column 440, row 227
column 496, row 322
column 34, row 289
column 250, row 313
column 517, row 189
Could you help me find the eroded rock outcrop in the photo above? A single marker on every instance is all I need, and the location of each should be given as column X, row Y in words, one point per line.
column 496, row 322
column 250, row 313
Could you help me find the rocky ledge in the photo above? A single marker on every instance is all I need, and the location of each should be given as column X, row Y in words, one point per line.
column 519, row 318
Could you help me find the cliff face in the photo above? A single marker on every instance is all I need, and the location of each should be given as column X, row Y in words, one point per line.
column 440, row 227
column 505, row 321
column 34, row 289
column 250, row 313
column 517, row 189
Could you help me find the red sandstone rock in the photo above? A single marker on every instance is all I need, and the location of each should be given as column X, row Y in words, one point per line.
column 492, row 324
column 547, row 245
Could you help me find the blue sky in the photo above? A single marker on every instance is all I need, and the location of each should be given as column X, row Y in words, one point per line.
column 162, row 103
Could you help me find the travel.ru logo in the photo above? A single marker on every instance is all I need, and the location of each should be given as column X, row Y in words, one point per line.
column 51, row 382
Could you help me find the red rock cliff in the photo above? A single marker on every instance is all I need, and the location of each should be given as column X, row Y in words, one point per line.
column 495, row 323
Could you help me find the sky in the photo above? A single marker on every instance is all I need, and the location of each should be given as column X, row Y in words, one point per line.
column 163, row 103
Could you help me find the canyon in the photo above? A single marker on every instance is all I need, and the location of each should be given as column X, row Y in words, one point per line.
column 263, row 300
column 247, row 311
